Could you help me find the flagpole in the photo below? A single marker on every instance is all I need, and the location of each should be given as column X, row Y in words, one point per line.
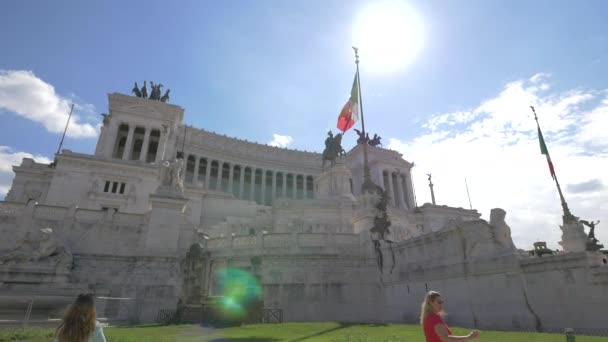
column 65, row 130
column 367, row 179
column 568, row 217
column 468, row 195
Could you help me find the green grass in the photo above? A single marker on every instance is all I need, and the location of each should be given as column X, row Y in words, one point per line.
column 294, row 332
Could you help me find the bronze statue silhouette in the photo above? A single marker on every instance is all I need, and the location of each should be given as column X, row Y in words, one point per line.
column 362, row 138
column 333, row 149
column 165, row 97
column 380, row 228
column 329, row 139
column 136, row 90
column 591, row 225
column 152, row 91
column 144, row 91
column 375, row 141
column 155, row 95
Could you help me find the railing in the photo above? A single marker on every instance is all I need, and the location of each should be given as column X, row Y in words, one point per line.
column 167, row 316
column 272, row 316
column 206, row 314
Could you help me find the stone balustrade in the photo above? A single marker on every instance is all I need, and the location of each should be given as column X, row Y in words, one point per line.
column 11, row 209
column 296, row 242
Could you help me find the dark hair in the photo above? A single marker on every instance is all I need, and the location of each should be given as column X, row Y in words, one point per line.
column 79, row 321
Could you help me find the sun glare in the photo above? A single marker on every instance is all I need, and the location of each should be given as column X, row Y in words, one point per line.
column 389, row 35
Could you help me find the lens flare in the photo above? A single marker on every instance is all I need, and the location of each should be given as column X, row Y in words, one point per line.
column 239, row 291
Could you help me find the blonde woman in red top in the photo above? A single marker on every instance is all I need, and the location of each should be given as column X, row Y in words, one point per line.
column 431, row 319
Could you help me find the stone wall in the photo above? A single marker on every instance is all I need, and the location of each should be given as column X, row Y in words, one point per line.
column 109, row 258
column 82, row 230
column 140, row 285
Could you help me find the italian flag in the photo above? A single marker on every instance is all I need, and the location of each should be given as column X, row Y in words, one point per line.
column 350, row 112
column 543, row 150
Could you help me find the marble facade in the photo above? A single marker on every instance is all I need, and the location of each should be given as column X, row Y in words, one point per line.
column 130, row 213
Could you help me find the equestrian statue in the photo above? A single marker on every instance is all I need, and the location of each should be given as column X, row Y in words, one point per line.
column 333, row 149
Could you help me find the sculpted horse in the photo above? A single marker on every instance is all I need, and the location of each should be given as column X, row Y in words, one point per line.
column 333, row 150
column 136, row 90
column 375, row 141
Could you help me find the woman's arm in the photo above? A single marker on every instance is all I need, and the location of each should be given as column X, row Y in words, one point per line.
column 442, row 332
column 98, row 335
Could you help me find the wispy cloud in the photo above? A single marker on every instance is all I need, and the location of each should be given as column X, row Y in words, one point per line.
column 280, row 140
column 26, row 95
column 8, row 158
column 588, row 186
column 495, row 146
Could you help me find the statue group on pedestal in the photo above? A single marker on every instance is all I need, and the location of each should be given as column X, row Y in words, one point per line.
column 364, row 139
column 46, row 251
column 592, row 242
column 171, row 174
column 154, row 94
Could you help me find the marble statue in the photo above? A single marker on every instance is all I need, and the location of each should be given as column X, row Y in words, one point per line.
column 171, row 174
column 47, row 252
column 502, row 231
column 22, row 252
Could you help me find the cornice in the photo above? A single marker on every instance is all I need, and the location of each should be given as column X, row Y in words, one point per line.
column 130, row 167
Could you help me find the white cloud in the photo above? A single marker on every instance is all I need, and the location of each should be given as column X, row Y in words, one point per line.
column 24, row 94
column 8, row 158
column 280, row 140
column 499, row 154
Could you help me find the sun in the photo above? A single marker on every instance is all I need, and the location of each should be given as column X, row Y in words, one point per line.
column 389, row 35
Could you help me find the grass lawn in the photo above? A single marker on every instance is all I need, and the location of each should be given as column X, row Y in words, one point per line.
column 294, row 332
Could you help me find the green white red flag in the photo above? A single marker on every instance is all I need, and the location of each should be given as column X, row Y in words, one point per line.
column 350, row 112
column 543, row 150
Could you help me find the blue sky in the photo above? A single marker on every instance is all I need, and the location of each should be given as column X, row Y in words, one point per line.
column 252, row 69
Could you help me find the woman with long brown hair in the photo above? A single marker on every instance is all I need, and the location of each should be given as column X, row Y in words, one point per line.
column 433, row 325
column 80, row 322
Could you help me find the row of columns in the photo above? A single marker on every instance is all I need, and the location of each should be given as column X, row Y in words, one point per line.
column 130, row 142
column 395, row 183
column 192, row 176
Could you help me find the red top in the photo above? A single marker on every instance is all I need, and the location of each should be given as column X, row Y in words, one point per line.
column 429, row 327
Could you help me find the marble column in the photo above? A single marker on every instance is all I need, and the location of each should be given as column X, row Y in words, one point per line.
column 391, row 191
column 126, row 153
column 144, row 147
column 220, row 171
column 406, row 203
column 230, row 176
column 263, row 187
column 400, row 192
column 208, row 173
column 295, row 187
column 196, row 168
column 241, row 181
column 284, row 185
column 274, row 185
column 162, row 144
column 252, row 193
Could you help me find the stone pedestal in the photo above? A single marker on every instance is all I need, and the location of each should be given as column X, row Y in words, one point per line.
column 166, row 221
column 363, row 218
column 334, row 183
column 574, row 238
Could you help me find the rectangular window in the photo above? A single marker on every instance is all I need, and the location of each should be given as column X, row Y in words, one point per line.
column 106, row 188
column 122, row 188
column 114, row 187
